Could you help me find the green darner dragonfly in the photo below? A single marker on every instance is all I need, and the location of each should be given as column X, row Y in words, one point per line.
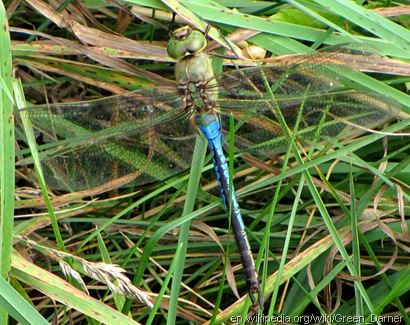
column 147, row 135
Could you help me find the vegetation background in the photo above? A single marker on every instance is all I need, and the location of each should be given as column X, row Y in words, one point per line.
column 330, row 235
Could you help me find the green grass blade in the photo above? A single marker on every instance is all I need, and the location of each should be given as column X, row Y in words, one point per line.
column 20, row 102
column 62, row 291
column 371, row 21
column 195, row 175
column 18, row 307
column 6, row 157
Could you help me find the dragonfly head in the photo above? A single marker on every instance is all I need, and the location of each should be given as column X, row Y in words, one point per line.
column 185, row 41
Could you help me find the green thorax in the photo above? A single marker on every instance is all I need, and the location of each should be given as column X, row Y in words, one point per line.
column 194, row 68
column 193, row 71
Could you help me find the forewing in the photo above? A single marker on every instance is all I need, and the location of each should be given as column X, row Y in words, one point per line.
column 137, row 137
column 315, row 99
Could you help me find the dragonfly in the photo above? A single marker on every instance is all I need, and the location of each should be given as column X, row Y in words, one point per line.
column 148, row 134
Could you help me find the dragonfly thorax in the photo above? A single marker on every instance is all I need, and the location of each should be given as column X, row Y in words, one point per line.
column 197, row 97
column 194, row 68
column 194, row 76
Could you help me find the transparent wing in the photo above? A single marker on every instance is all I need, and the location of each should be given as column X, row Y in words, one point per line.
column 145, row 135
column 314, row 97
column 140, row 136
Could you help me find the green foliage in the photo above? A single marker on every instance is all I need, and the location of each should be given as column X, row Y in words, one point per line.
column 322, row 222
